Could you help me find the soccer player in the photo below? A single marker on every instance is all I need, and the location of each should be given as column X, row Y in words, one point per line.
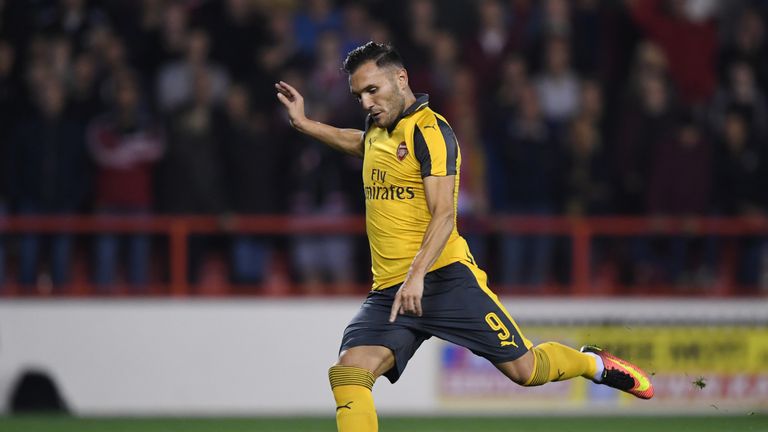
column 425, row 280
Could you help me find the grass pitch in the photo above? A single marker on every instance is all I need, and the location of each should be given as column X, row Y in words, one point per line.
column 746, row 422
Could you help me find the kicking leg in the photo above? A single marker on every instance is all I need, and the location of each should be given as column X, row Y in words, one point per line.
column 548, row 362
column 352, row 379
column 552, row 361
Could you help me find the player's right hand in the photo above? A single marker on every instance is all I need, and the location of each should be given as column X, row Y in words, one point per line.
column 408, row 298
column 293, row 102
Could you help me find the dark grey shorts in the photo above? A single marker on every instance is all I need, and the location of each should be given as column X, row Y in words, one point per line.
column 457, row 307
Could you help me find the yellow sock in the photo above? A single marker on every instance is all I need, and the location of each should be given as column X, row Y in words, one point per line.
column 557, row 362
column 354, row 401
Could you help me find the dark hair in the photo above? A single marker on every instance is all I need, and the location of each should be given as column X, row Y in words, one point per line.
column 382, row 54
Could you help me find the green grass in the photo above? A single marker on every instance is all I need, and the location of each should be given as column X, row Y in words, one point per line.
column 755, row 423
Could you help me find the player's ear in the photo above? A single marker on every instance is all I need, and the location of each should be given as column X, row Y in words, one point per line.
column 402, row 78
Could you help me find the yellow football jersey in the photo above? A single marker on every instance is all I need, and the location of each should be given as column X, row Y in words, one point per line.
column 419, row 144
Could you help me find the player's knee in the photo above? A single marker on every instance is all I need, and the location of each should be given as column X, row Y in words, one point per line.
column 521, row 376
column 520, row 370
column 376, row 359
column 353, row 359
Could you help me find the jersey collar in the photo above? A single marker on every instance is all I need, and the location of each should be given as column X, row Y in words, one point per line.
column 422, row 100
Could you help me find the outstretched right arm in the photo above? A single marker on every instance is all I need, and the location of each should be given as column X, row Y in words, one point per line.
column 347, row 140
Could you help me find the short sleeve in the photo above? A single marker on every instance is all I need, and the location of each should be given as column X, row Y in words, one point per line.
column 435, row 147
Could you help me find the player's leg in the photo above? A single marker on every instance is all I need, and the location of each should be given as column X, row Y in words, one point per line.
column 371, row 347
column 352, row 379
column 490, row 331
column 485, row 327
column 550, row 361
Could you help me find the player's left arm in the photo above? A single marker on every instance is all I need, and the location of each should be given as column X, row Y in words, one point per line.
column 439, row 191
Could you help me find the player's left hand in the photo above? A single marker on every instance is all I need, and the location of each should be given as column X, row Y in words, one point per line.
column 408, row 298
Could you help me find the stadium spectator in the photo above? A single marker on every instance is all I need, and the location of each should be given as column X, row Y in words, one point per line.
column 554, row 19
column 557, row 85
column 740, row 179
column 231, row 22
column 416, row 33
column 591, row 106
column 437, row 77
column 486, row 49
column 522, row 16
column 513, row 79
column 498, row 110
column 114, row 55
column 59, row 56
column 8, row 91
column 739, row 188
column 647, row 118
column 140, row 26
column 84, row 88
column 174, row 31
column 317, row 17
column 279, row 53
column 618, row 46
column 549, row 19
column 318, row 189
column 689, row 40
column 588, row 37
column 357, row 27
column 328, row 93
column 176, row 80
column 190, row 174
column 529, row 153
column 648, row 115
column 741, row 92
column 245, row 142
column 328, row 88
column 124, row 144
column 685, row 150
column 586, row 184
column 670, row 194
column 746, row 43
column 462, row 105
column 578, row 23
column 50, row 176
column 592, row 109
column 380, row 33
column 71, row 18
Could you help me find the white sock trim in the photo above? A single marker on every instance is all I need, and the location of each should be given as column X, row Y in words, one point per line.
column 600, row 367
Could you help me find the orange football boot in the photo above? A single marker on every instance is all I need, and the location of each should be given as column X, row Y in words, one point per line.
column 621, row 374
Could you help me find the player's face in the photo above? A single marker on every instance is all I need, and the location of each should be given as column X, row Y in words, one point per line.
column 380, row 90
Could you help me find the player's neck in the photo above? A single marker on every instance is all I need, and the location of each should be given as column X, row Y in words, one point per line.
column 410, row 99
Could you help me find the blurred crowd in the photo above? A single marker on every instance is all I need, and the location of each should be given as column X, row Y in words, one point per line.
column 584, row 107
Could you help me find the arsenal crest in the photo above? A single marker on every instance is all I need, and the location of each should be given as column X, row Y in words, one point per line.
column 402, row 151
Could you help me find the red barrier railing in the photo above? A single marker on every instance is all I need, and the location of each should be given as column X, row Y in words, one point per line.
column 581, row 232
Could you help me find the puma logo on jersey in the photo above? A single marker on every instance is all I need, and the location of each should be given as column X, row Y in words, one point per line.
column 434, row 126
column 509, row 342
